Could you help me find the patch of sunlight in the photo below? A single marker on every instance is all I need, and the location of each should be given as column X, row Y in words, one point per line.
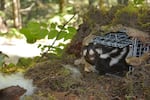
column 17, row 79
column 55, row 19
column 58, row 19
column 16, row 48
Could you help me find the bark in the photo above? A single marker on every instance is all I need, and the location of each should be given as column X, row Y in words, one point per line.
column 101, row 2
column 16, row 13
column 91, row 2
column 2, row 4
column 61, row 5
column 3, row 26
column 123, row 2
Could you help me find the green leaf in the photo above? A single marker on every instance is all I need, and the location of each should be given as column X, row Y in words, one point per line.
column 42, row 33
column 29, row 36
column 138, row 1
column 34, row 31
column 52, row 34
column 24, row 31
column 61, row 44
column 33, row 26
column 53, row 26
column 44, row 24
column 62, row 35
column 68, row 36
column 58, row 51
column 61, row 26
column 31, row 40
column 72, row 30
column 2, row 60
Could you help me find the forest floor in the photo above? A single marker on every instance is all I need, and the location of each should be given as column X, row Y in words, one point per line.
column 60, row 79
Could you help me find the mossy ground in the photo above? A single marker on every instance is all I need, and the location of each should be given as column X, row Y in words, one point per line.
column 55, row 82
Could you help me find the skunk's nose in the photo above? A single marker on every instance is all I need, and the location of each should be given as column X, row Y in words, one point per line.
column 90, row 53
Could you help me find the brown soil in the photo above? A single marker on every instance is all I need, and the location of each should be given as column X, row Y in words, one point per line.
column 58, row 83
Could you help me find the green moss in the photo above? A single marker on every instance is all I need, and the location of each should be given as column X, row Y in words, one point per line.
column 64, row 72
column 51, row 97
column 127, row 16
column 67, row 84
column 24, row 62
column 144, row 19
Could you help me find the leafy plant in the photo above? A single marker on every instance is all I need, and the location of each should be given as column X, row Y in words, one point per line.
column 138, row 1
column 2, row 57
column 130, row 13
column 39, row 30
column 58, row 32
column 34, row 31
column 24, row 61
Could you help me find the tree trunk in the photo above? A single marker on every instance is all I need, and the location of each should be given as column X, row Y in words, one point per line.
column 2, row 5
column 101, row 2
column 123, row 2
column 107, row 2
column 91, row 2
column 16, row 13
column 61, row 5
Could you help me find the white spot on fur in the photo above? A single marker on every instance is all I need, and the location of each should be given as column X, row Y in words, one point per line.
column 99, row 51
column 91, row 52
column 104, row 56
column 114, row 51
column 95, row 43
column 116, row 59
column 84, row 52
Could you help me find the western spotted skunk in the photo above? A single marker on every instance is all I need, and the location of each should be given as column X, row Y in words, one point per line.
column 106, row 59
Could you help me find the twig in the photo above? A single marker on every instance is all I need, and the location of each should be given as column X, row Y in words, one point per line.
column 59, row 33
column 28, row 8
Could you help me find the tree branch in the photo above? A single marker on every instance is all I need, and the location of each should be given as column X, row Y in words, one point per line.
column 59, row 34
column 25, row 10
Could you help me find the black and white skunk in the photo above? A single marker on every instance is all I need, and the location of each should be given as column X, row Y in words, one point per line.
column 106, row 59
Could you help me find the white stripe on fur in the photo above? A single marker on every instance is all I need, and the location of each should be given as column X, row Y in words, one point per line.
column 116, row 59
column 106, row 55
column 99, row 51
column 84, row 52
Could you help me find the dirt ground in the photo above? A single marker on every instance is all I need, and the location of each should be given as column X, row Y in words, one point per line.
column 54, row 81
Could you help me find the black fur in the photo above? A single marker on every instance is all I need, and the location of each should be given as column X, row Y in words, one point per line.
column 102, row 64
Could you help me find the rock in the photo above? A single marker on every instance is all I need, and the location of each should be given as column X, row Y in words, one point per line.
column 12, row 93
